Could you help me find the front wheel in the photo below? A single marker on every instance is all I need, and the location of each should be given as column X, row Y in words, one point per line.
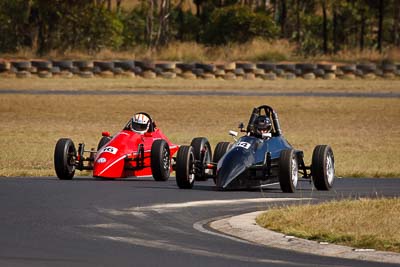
column 103, row 140
column 323, row 167
column 185, row 169
column 64, row 159
column 203, row 155
column 288, row 171
column 220, row 149
column 160, row 160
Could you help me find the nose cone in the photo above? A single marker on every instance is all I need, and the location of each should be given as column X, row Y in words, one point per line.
column 232, row 168
column 108, row 166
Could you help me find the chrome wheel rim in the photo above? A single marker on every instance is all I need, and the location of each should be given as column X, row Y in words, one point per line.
column 166, row 162
column 295, row 172
column 191, row 169
column 330, row 170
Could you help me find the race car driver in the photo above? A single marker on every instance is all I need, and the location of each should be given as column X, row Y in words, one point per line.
column 262, row 126
column 140, row 123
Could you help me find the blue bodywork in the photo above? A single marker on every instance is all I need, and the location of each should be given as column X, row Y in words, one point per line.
column 245, row 164
column 253, row 161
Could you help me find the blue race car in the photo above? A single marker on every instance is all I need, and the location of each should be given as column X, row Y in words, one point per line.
column 262, row 156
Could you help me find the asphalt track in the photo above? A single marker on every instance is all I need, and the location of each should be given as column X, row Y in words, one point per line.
column 139, row 222
column 199, row 93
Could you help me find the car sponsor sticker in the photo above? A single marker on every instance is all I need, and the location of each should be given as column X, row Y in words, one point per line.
column 245, row 145
column 110, row 149
column 101, row 160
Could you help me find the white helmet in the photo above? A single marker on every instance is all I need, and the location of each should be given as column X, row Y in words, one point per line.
column 140, row 123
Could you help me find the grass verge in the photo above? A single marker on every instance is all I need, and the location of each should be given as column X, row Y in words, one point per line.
column 255, row 50
column 363, row 132
column 364, row 223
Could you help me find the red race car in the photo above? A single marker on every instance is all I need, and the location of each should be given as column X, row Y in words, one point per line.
column 140, row 149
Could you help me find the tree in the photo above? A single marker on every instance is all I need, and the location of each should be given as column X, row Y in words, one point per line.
column 381, row 9
column 238, row 24
column 325, row 26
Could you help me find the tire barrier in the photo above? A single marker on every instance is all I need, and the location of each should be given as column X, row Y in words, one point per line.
column 197, row 70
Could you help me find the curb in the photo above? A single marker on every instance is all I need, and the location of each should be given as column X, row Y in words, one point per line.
column 245, row 227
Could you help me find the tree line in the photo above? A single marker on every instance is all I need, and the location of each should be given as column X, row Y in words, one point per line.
column 316, row 26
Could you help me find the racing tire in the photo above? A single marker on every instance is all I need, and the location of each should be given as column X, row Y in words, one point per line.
column 323, row 167
column 203, row 154
column 160, row 160
column 64, row 159
column 288, row 171
column 184, row 168
column 219, row 152
column 103, row 140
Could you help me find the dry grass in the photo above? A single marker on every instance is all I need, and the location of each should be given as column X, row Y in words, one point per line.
column 363, row 223
column 363, row 132
column 367, row 55
column 256, row 50
column 280, row 85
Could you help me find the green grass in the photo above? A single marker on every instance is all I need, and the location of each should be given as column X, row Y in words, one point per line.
column 364, row 223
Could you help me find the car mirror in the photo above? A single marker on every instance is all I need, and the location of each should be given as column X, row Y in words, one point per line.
column 266, row 135
column 106, row 134
column 233, row 133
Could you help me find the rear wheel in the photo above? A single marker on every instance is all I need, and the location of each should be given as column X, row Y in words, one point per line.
column 323, row 167
column 185, row 167
column 64, row 159
column 288, row 171
column 203, row 155
column 160, row 160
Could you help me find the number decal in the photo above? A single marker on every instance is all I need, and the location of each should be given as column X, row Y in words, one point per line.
column 110, row 149
column 245, row 145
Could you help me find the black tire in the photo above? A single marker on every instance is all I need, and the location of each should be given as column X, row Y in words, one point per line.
column 83, row 65
column 319, row 73
column 21, row 65
column 166, row 66
column 160, row 160
column 103, row 140
column 55, row 70
column 125, row 65
column 104, row 65
column 210, row 68
column 327, row 67
column 64, row 159
column 367, row 67
column 388, row 67
column 202, row 153
column 323, row 167
column 246, row 66
column 219, row 152
column 185, row 167
column 145, row 65
column 185, row 66
column 267, row 67
column 63, row 64
column 306, row 67
column 288, row 171
column 348, row 68
column 42, row 65
column 287, row 67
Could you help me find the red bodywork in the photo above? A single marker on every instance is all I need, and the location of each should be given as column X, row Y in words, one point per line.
column 128, row 154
